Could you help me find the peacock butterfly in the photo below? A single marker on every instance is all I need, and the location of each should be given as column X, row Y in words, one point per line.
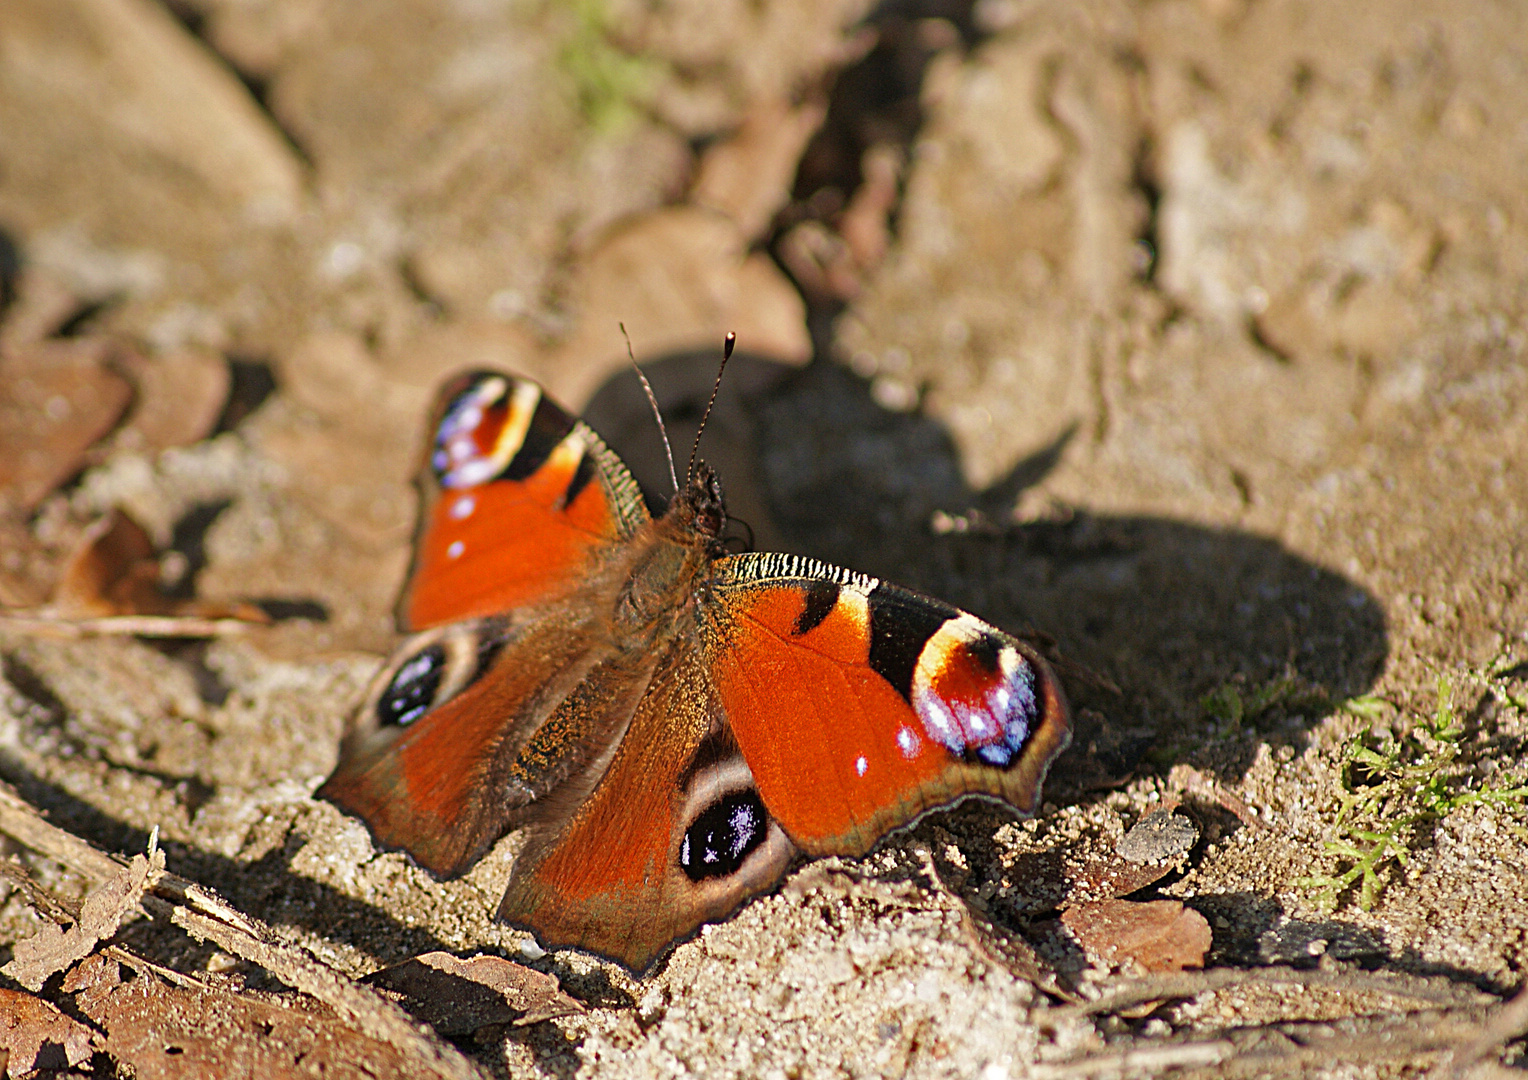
column 672, row 723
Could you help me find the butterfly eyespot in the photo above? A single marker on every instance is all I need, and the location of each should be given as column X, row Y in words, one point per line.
column 720, row 840
column 431, row 669
column 414, row 687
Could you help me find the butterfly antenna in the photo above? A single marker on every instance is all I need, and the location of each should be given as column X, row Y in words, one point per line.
column 652, row 400
column 727, row 348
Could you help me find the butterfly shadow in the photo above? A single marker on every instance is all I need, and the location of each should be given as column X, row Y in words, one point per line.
column 1218, row 640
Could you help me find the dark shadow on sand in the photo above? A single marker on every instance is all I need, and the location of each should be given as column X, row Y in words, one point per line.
column 1169, row 611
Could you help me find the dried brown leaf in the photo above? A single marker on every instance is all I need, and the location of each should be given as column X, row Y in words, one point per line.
column 112, row 572
column 207, row 917
column 115, row 571
column 35, row 1035
column 180, row 397
column 457, row 996
column 43, row 303
column 57, row 399
column 866, row 222
column 27, row 568
column 1156, row 846
column 680, row 278
column 748, row 177
column 52, row 950
column 1158, row 935
column 166, row 1032
column 1018, row 956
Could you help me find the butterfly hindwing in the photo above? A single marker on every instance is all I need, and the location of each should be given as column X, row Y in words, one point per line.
column 674, row 835
column 859, row 705
column 518, row 498
column 468, row 727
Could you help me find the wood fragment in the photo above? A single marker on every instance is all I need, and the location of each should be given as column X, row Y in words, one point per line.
column 52, row 950
column 1506, row 1024
column 1192, row 984
column 47, row 625
column 208, row 917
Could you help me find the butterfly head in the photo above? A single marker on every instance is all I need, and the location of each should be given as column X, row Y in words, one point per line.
column 702, row 504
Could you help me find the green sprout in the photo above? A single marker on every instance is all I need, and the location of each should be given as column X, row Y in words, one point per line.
column 1392, row 786
column 1232, row 704
column 607, row 81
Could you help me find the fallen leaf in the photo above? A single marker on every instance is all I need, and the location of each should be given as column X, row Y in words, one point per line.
column 680, row 278
column 115, row 571
column 1018, row 956
column 169, row 98
column 35, row 1035
column 57, row 399
column 820, row 261
column 42, row 304
column 27, row 568
column 866, row 221
column 456, row 996
column 1094, row 868
column 52, row 950
column 1158, row 935
column 1155, row 847
column 180, row 397
column 166, row 1032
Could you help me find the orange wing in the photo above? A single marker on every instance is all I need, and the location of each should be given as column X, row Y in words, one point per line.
column 519, row 498
column 859, row 706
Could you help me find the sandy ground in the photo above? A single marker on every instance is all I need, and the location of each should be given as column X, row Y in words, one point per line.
column 1190, row 334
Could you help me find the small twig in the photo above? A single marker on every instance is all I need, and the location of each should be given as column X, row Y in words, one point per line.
column 1146, row 1061
column 19, row 820
column 42, row 900
column 157, row 626
column 1192, row 984
column 1509, row 1021
column 208, row 917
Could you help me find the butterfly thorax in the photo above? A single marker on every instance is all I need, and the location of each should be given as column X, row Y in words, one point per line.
column 660, row 584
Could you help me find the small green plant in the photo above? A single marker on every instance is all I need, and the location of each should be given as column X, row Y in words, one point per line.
column 607, row 81
column 1233, row 704
column 1390, row 787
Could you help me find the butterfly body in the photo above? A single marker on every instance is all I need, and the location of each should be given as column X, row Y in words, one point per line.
column 671, row 723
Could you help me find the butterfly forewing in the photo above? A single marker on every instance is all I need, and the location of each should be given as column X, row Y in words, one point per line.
column 859, row 705
column 518, row 499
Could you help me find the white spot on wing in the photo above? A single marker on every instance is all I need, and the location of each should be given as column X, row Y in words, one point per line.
column 860, row 765
column 907, row 742
column 455, row 550
column 463, row 507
